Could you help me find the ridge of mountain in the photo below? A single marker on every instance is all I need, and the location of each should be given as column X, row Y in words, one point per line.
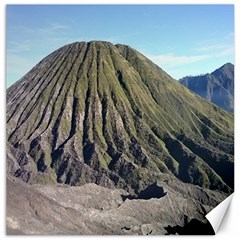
column 94, row 112
column 217, row 87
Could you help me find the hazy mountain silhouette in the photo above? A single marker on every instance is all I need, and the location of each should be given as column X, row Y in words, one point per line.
column 217, row 87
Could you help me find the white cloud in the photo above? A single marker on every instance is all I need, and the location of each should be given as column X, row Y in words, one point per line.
column 217, row 49
column 181, row 65
column 15, row 47
column 17, row 64
column 226, row 51
column 212, row 47
column 229, row 36
column 203, row 52
column 56, row 26
column 171, row 60
column 50, row 28
column 223, row 47
column 55, row 34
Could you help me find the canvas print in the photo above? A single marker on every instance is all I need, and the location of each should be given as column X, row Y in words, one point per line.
column 119, row 118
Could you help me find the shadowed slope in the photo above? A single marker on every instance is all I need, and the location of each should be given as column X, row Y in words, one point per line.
column 95, row 112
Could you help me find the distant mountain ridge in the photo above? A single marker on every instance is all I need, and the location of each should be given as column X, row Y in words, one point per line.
column 217, row 87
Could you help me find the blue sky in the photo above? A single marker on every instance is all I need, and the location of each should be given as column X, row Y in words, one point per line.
column 181, row 39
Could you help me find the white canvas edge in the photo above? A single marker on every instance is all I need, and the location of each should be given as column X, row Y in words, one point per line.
column 216, row 215
column 231, row 230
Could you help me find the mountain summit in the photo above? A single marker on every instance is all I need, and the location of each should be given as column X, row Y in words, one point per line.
column 217, row 87
column 94, row 112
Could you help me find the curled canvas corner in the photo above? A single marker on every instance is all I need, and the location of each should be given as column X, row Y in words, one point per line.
column 216, row 216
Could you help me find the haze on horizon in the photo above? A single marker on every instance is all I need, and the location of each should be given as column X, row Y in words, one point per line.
column 181, row 39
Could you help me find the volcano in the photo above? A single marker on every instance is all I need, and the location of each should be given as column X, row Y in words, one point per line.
column 94, row 112
column 100, row 140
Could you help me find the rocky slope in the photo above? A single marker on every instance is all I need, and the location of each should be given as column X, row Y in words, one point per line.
column 92, row 209
column 217, row 87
